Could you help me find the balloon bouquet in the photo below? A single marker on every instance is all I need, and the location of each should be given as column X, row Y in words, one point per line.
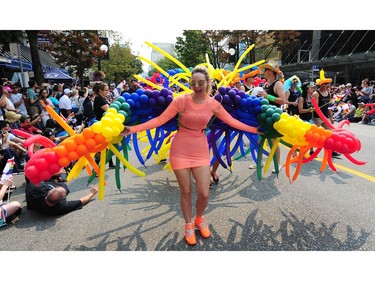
column 104, row 136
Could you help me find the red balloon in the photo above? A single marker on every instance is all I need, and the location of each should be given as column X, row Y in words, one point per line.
column 54, row 168
column 45, row 175
column 41, row 164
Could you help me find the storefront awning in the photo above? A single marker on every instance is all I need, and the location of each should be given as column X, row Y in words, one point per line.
column 15, row 64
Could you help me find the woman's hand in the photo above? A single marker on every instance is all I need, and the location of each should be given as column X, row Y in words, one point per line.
column 261, row 131
column 126, row 131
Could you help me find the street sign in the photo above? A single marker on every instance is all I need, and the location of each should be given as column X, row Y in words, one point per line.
column 315, row 68
column 14, row 51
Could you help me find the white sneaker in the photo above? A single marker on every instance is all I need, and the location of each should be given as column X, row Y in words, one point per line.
column 360, row 122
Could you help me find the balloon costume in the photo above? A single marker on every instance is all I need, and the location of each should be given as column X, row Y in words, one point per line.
column 132, row 109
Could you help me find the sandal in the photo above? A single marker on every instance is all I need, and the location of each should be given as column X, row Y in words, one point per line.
column 216, row 180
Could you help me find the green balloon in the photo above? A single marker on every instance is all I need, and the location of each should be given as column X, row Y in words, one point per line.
column 125, row 106
column 123, row 113
column 264, row 102
column 115, row 106
column 264, row 108
column 269, row 112
column 120, row 99
column 275, row 116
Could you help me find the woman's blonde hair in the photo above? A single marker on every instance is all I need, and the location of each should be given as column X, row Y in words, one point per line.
column 204, row 71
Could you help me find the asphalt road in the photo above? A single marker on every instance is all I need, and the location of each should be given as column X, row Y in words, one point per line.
column 325, row 211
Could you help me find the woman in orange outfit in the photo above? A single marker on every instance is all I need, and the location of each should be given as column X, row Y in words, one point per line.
column 189, row 152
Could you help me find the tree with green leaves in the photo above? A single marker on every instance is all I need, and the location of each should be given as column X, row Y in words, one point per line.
column 165, row 63
column 191, row 49
column 122, row 64
column 76, row 50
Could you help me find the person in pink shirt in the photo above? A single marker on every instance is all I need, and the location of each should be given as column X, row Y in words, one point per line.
column 189, row 152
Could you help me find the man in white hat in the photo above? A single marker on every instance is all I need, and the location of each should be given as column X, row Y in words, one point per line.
column 65, row 105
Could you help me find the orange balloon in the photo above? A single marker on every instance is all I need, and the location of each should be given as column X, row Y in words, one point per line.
column 70, row 145
column 90, row 144
column 99, row 138
column 72, row 156
column 88, row 133
column 60, row 150
column 81, row 149
column 79, row 139
column 64, row 162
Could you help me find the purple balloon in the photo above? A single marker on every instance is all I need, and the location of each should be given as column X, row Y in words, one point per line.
column 155, row 94
column 237, row 99
column 164, row 92
column 168, row 99
column 226, row 99
column 219, row 98
column 148, row 93
column 161, row 100
column 232, row 94
column 222, row 90
column 151, row 102
column 241, row 94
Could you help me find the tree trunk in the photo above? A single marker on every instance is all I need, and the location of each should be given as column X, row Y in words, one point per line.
column 32, row 36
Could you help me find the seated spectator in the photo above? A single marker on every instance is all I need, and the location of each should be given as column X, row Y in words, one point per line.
column 358, row 113
column 10, row 209
column 28, row 126
column 49, row 133
column 350, row 112
column 49, row 197
column 7, row 150
column 368, row 116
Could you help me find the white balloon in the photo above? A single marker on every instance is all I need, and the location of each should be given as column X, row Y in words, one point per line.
column 255, row 91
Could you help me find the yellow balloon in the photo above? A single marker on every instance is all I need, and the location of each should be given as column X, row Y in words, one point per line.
column 125, row 162
column 107, row 132
column 116, row 131
column 101, row 175
column 97, row 127
column 111, row 110
column 106, row 122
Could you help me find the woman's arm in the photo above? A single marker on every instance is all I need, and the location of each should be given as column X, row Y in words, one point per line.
column 223, row 115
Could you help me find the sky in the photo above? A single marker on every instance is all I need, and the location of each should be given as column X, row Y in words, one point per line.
column 138, row 38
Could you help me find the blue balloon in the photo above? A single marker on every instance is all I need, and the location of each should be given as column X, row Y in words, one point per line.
column 134, row 97
column 222, row 90
column 143, row 99
column 140, row 92
column 126, row 95
column 131, row 103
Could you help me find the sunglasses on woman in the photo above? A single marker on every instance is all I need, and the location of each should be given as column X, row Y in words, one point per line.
column 200, row 83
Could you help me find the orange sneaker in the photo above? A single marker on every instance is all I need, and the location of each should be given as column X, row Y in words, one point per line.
column 190, row 234
column 202, row 225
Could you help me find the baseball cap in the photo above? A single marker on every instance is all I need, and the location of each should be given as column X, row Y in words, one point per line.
column 67, row 91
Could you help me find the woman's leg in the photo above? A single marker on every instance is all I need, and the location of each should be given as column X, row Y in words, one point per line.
column 12, row 208
column 183, row 177
column 202, row 181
